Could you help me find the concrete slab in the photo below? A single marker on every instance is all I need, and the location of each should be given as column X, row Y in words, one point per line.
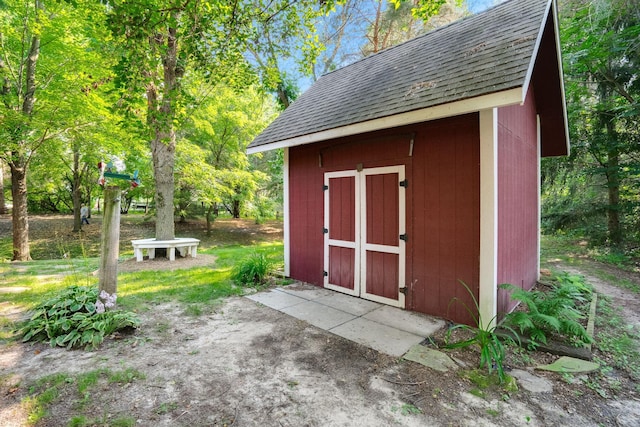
column 411, row 322
column 430, row 358
column 318, row 315
column 377, row 336
column 347, row 303
column 309, row 293
column 276, row 299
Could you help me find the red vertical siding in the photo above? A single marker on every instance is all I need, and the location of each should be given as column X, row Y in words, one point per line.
column 446, row 209
column 306, row 215
column 442, row 202
column 517, row 198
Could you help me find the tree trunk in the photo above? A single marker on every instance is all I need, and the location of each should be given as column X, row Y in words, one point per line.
column 76, row 195
column 3, row 205
column 110, row 241
column 613, row 184
column 161, row 115
column 19, row 215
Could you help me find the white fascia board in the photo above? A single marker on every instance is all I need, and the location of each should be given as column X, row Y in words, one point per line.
column 471, row 105
column 536, row 49
column 556, row 26
column 286, row 215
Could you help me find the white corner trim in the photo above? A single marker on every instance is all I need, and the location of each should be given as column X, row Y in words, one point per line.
column 488, row 292
column 286, row 215
column 471, row 105
column 539, row 193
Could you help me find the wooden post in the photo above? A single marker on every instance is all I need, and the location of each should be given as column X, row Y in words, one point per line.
column 110, row 240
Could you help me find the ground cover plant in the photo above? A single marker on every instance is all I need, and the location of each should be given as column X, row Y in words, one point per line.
column 556, row 310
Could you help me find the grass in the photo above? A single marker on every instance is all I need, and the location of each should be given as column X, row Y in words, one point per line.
column 46, row 391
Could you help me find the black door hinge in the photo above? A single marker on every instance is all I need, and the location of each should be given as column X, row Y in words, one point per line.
column 403, row 290
column 325, row 187
column 404, row 237
column 325, row 274
column 404, row 183
column 325, row 230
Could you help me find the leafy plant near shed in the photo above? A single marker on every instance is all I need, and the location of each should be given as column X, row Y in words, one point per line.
column 253, row 270
column 554, row 311
column 72, row 319
column 483, row 335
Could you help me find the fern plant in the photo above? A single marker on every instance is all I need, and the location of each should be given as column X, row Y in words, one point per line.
column 553, row 312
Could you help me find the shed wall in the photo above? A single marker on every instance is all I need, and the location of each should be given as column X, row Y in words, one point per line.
column 442, row 167
column 518, row 199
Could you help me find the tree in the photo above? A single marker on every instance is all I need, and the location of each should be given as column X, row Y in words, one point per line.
column 163, row 39
column 601, row 62
column 47, row 50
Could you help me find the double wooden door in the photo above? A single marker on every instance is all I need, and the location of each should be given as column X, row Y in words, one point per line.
column 364, row 240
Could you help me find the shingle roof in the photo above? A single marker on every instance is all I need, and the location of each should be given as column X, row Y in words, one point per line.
column 482, row 54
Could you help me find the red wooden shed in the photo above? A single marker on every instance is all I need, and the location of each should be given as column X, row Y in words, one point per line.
column 418, row 167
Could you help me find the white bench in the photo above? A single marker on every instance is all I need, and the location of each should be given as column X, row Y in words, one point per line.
column 185, row 245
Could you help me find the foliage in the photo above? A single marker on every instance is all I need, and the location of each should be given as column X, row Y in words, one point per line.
column 253, row 270
column 595, row 190
column 72, row 319
column 484, row 336
column 554, row 312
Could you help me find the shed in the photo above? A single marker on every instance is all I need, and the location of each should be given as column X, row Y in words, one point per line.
column 418, row 168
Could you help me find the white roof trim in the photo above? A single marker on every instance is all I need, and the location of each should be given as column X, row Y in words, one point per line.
column 471, row 105
column 536, row 48
column 561, row 77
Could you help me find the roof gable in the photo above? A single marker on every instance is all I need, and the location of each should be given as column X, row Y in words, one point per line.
column 489, row 53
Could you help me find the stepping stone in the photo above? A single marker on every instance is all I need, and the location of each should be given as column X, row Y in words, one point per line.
column 430, row 358
column 531, row 382
column 571, row 365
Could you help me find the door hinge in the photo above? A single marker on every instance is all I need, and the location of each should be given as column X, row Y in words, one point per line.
column 404, row 183
column 403, row 290
column 325, row 187
column 325, row 274
column 325, row 230
column 404, row 237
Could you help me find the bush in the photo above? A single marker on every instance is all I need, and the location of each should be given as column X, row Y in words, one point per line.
column 72, row 319
column 555, row 311
column 253, row 270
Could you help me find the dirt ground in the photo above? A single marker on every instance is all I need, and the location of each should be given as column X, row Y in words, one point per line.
column 244, row 364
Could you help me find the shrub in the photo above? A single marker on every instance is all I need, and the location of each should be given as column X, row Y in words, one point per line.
column 72, row 319
column 254, row 270
column 556, row 311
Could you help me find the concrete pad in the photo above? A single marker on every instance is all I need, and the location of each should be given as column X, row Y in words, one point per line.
column 408, row 321
column 276, row 299
column 570, row 364
column 310, row 294
column 377, row 336
column 430, row 358
column 347, row 303
column 531, row 382
column 321, row 316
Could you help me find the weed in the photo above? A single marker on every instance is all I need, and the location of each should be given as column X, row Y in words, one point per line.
column 126, row 376
column 166, row 407
column 292, row 384
column 493, row 412
column 407, row 409
column 492, row 353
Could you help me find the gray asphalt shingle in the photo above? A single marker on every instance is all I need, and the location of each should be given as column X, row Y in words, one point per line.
column 482, row 54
